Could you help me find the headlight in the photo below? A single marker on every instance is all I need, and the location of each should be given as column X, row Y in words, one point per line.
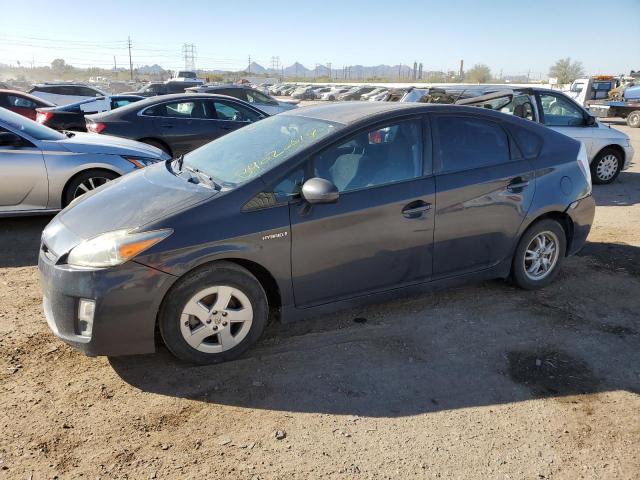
column 114, row 248
column 141, row 162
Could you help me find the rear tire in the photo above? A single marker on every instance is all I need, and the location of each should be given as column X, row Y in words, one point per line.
column 539, row 255
column 85, row 182
column 633, row 119
column 606, row 167
column 158, row 144
column 213, row 314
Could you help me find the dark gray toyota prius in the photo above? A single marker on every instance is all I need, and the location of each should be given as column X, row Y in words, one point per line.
column 306, row 212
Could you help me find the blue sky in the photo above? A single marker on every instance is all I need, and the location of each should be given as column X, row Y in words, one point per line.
column 512, row 36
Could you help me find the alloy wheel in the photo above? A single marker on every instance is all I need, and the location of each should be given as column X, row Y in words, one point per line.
column 89, row 184
column 541, row 255
column 216, row 319
column 607, row 167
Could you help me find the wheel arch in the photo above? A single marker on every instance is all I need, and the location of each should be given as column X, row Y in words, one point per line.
column 562, row 218
column 262, row 274
column 63, row 193
column 157, row 140
column 611, row 146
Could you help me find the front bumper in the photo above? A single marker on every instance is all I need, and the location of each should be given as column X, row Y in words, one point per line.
column 127, row 299
column 581, row 213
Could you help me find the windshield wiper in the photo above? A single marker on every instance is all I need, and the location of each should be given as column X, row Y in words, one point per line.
column 204, row 177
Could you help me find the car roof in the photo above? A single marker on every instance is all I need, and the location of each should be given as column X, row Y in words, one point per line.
column 26, row 95
column 349, row 113
column 167, row 98
column 352, row 112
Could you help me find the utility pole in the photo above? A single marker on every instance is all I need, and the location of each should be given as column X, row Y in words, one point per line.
column 249, row 65
column 130, row 61
column 461, row 74
column 329, row 68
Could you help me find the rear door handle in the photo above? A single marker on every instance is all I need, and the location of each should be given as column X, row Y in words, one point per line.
column 166, row 126
column 415, row 209
column 517, row 184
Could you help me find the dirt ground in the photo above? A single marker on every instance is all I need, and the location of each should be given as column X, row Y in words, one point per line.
column 482, row 381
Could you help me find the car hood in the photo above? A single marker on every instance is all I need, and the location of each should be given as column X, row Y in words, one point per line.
column 128, row 202
column 105, row 144
column 288, row 102
column 287, row 105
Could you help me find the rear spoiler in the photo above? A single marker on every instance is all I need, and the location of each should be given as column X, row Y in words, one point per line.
column 486, row 97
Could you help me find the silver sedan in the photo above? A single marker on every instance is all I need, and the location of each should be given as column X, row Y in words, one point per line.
column 43, row 170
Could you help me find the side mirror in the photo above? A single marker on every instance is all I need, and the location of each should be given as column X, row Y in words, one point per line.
column 10, row 139
column 591, row 121
column 319, row 190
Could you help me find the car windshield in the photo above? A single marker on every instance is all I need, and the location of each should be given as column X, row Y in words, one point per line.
column 249, row 152
column 28, row 127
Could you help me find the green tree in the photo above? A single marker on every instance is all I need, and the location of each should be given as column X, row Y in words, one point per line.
column 59, row 65
column 566, row 71
column 479, row 73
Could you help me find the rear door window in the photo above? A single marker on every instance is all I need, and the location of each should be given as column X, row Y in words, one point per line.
column 254, row 96
column 192, row 109
column 465, row 143
column 21, row 102
column 234, row 112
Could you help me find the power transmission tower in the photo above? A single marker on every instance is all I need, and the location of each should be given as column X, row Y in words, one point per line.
column 249, row 65
column 275, row 63
column 329, row 68
column 130, row 61
column 189, row 55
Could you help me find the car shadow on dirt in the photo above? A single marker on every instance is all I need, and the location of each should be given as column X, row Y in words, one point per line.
column 20, row 240
column 623, row 192
column 477, row 345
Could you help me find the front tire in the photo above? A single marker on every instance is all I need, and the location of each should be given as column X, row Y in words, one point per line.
column 606, row 167
column 214, row 314
column 539, row 255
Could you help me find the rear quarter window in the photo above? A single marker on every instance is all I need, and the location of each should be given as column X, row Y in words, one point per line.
column 529, row 143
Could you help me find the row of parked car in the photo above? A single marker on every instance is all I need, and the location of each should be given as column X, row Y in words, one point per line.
column 52, row 154
column 329, row 92
column 176, row 124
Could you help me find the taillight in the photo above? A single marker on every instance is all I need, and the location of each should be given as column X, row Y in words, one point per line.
column 583, row 163
column 43, row 117
column 94, row 127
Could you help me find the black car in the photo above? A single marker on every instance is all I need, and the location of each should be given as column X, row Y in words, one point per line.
column 308, row 211
column 177, row 123
column 72, row 116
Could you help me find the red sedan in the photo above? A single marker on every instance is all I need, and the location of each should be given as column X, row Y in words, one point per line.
column 22, row 103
